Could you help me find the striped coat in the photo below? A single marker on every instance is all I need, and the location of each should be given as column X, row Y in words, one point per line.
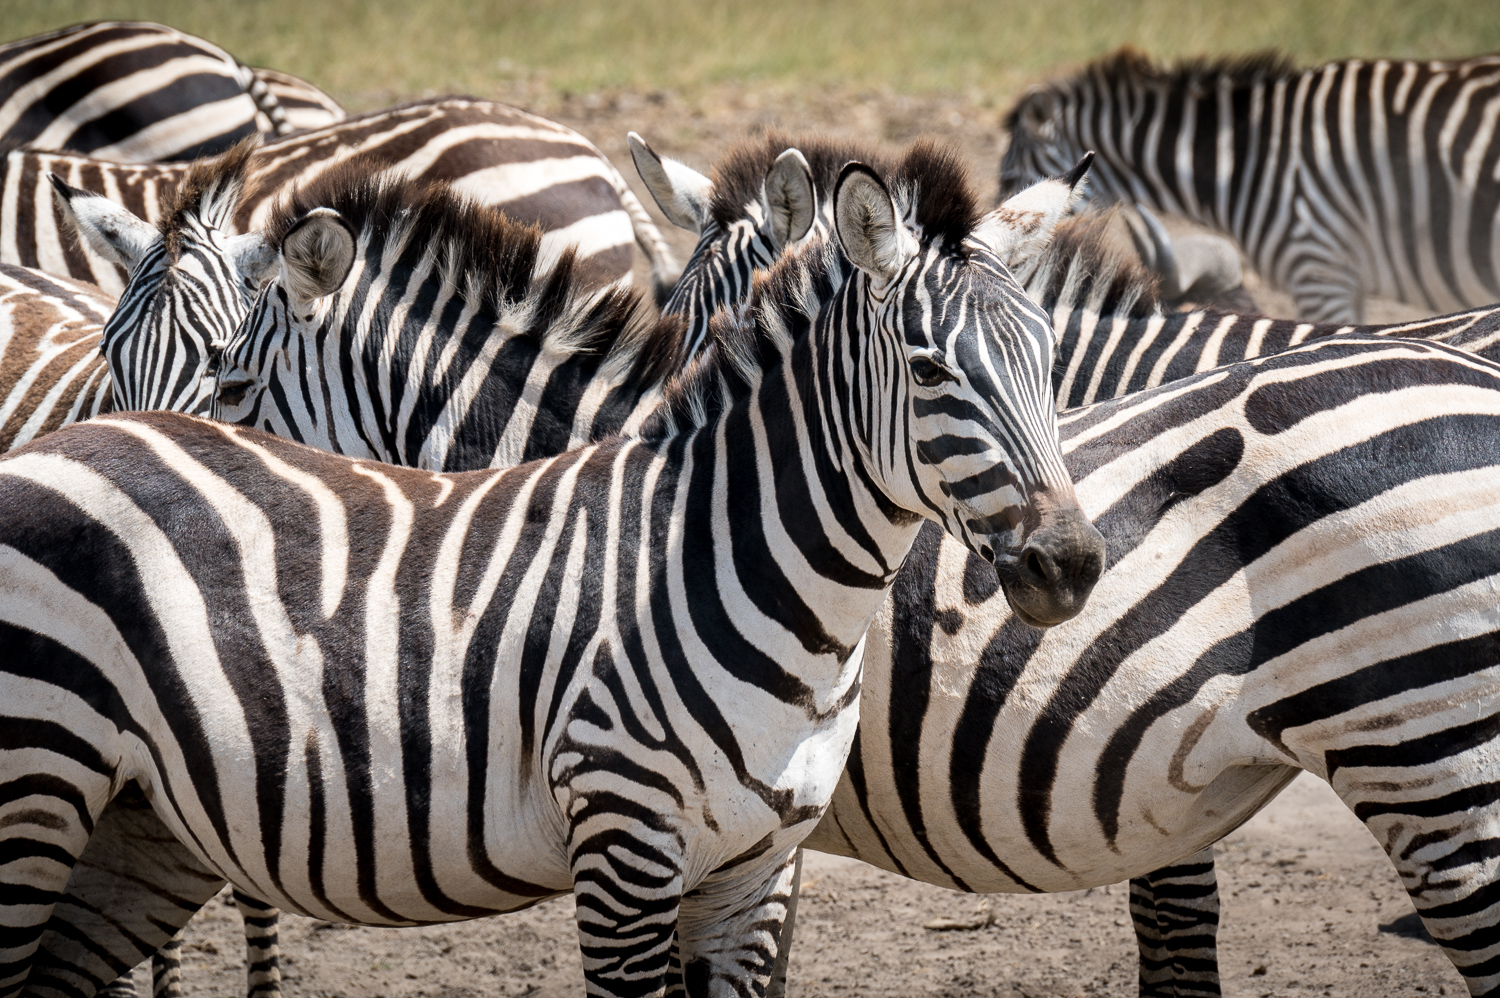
column 138, row 92
column 601, row 762
column 536, row 170
column 1355, row 178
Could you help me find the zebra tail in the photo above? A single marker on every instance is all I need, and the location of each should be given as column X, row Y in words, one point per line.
column 266, row 102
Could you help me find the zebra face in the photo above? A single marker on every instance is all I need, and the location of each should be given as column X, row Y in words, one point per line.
column 1041, row 145
column 727, row 256
column 957, row 420
column 188, row 290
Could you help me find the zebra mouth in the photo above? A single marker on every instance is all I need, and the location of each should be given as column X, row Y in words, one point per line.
column 1050, row 578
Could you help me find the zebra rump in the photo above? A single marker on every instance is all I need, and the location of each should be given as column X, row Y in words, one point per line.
column 138, row 92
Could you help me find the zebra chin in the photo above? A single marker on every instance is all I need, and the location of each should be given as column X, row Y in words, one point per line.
column 1048, row 577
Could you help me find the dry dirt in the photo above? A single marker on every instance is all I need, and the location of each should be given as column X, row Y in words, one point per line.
column 1311, row 906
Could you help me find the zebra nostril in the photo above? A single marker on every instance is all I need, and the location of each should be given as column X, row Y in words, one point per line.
column 232, row 393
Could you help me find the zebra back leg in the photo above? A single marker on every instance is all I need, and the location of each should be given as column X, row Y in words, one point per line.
column 731, row 928
column 134, row 886
column 262, row 947
column 777, row 987
column 1176, row 914
column 1440, row 826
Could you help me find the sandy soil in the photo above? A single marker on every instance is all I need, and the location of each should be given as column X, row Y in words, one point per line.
column 1311, row 906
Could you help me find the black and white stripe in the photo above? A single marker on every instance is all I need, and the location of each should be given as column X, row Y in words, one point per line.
column 1355, row 178
column 536, row 170
column 602, row 762
column 138, row 92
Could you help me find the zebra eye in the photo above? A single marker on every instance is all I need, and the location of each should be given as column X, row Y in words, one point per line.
column 929, row 373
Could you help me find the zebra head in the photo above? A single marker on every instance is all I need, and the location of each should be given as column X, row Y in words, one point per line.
column 953, row 361
column 1045, row 141
column 191, row 282
column 766, row 201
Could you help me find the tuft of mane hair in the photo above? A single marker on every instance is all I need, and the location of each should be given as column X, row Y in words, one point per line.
column 1084, row 268
column 1128, row 65
column 490, row 261
column 740, row 172
column 932, row 182
column 210, row 192
column 745, row 340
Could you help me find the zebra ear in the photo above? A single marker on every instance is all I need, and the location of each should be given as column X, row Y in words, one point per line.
column 868, row 226
column 681, row 192
column 317, row 254
column 1023, row 225
column 791, row 198
column 253, row 257
column 109, row 229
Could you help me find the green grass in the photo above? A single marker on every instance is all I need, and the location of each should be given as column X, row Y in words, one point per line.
column 369, row 47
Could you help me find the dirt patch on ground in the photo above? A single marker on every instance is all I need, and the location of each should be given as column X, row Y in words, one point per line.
column 1311, row 907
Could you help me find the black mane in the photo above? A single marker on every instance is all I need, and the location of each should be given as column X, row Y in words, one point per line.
column 493, row 259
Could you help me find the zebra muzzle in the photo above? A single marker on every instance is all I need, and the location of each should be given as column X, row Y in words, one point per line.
column 1061, row 558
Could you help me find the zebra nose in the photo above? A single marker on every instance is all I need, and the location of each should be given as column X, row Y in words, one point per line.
column 1059, row 563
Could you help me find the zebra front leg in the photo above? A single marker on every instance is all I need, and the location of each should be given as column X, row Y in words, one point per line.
column 1176, row 914
column 46, row 818
column 731, row 927
column 627, row 885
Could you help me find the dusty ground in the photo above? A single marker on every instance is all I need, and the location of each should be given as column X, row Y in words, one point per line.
column 1311, row 906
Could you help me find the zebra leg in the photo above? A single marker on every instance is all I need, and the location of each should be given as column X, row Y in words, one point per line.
column 627, row 885
column 730, row 929
column 1441, row 828
column 1176, row 914
column 262, row 947
column 166, row 969
column 47, row 815
column 777, row 988
column 133, row 888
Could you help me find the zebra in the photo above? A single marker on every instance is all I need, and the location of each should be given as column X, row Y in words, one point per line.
column 139, row 92
column 380, row 418
column 537, row 170
column 281, row 348
column 1355, row 178
column 190, row 284
column 638, row 795
column 51, row 372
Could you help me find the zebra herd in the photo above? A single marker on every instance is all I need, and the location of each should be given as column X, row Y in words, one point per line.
column 370, row 545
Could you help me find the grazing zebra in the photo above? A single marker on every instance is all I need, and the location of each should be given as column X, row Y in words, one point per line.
column 907, row 382
column 536, row 170
column 1356, row 178
column 138, row 92
column 1115, row 337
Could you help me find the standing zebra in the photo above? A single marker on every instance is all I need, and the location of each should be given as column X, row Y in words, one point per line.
column 565, row 679
column 279, row 355
column 536, row 170
column 1345, row 180
column 138, row 92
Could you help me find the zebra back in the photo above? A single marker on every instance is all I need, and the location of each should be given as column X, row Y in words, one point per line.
column 129, row 91
column 302, row 105
column 1355, row 178
column 51, row 371
column 536, row 170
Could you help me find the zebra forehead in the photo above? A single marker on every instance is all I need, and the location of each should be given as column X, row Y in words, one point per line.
column 208, row 195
